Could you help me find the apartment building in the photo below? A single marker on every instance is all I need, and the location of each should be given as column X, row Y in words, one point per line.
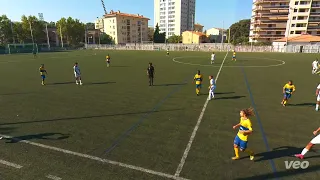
column 174, row 16
column 269, row 20
column 275, row 19
column 123, row 27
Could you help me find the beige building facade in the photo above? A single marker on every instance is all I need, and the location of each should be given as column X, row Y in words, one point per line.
column 275, row 19
column 193, row 37
column 123, row 27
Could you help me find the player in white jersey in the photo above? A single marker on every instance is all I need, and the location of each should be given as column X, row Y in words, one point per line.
column 213, row 57
column 77, row 73
column 318, row 97
column 211, row 88
column 315, row 140
column 315, row 66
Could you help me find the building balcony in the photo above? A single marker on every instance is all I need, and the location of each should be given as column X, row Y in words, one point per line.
column 315, row 6
column 314, row 27
column 271, row 1
column 315, row 14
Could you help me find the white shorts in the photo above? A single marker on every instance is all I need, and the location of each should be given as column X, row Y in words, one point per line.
column 212, row 59
column 77, row 75
column 316, row 140
column 318, row 98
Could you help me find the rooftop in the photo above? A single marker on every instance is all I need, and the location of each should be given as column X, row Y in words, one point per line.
column 300, row 38
column 118, row 13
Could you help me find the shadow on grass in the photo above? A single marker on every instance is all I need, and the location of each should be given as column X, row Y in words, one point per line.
column 6, row 130
column 284, row 151
column 229, row 97
column 178, row 84
column 46, row 136
column 85, row 117
column 220, row 93
column 118, row 66
column 282, row 174
column 73, row 82
column 97, row 83
column 18, row 93
column 302, row 104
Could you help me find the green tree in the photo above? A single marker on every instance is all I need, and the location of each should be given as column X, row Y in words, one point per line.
column 106, row 39
column 175, row 39
column 90, row 26
column 240, row 31
column 157, row 36
column 19, row 33
column 36, row 26
column 51, row 24
column 72, row 30
column 5, row 30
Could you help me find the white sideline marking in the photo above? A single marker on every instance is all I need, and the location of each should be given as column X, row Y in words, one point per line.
column 137, row 168
column 49, row 176
column 10, row 164
column 193, row 135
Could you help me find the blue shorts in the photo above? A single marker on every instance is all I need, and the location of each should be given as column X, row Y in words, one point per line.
column 198, row 86
column 43, row 76
column 287, row 95
column 240, row 143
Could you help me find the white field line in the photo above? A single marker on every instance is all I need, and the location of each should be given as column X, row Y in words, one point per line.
column 49, row 176
column 10, row 164
column 128, row 166
column 193, row 135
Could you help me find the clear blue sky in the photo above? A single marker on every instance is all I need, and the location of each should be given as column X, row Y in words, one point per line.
column 210, row 13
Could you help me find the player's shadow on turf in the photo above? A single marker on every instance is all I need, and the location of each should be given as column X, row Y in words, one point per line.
column 61, row 83
column 46, row 136
column 6, row 130
column 97, row 83
column 302, row 104
column 88, row 117
column 206, row 94
column 281, row 174
column 284, row 151
column 177, row 84
column 229, row 97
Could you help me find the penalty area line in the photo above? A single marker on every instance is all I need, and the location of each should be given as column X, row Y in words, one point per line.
column 193, row 135
column 87, row 156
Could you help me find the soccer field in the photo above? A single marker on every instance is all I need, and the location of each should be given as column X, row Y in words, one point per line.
column 115, row 126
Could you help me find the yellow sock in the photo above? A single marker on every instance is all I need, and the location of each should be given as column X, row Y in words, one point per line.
column 250, row 152
column 197, row 91
column 236, row 152
column 284, row 102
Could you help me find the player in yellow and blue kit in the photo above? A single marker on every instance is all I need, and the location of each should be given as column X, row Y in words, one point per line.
column 288, row 89
column 198, row 80
column 245, row 129
column 234, row 56
column 168, row 52
column 43, row 73
column 108, row 60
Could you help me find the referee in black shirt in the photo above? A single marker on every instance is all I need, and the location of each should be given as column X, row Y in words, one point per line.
column 150, row 73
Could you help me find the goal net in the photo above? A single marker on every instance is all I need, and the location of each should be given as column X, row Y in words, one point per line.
column 22, row 48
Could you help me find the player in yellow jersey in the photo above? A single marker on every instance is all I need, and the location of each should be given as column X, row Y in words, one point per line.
column 43, row 73
column 234, row 56
column 198, row 80
column 108, row 60
column 245, row 129
column 288, row 90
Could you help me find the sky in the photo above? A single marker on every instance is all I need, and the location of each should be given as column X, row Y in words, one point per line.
column 209, row 13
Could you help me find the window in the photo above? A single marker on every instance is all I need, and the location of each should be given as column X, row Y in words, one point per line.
column 295, row 10
column 293, row 25
column 296, row 3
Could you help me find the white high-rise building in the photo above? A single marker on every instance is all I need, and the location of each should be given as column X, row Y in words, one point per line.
column 174, row 16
